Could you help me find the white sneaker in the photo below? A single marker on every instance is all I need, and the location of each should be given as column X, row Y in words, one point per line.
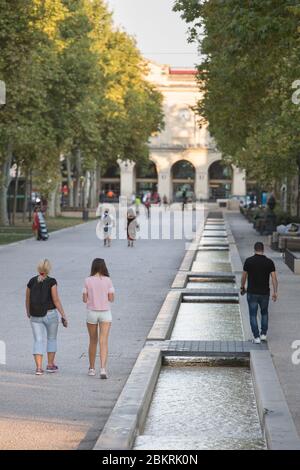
column 103, row 374
column 263, row 337
column 257, row 340
column 91, row 372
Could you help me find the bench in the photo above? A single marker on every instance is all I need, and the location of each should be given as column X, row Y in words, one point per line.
column 282, row 241
column 289, row 243
column 292, row 260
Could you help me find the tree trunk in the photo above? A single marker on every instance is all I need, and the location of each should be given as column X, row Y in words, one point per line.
column 78, row 196
column 15, row 196
column 93, row 190
column 98, row 179
column 70, row 182
column 87, row 189
column 30, row 197
column 77, row 193
column 4, row 185
column 25, row 197
column 298, row 196
column 58, row 200
column 54, row 208
column 52, row 205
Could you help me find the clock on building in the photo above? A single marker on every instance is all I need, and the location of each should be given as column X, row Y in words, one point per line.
column 185, row 114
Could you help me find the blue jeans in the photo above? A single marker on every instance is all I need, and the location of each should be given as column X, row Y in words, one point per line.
column 45, row 333
column 255, row 300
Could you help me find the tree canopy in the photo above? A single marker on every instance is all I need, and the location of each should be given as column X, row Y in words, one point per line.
column 76, row 86
column 250, row 59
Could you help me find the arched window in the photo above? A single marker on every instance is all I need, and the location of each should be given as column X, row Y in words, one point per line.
column 219, row 171
column 220, row 180
column 146, row 171
column 183, row 176
column 183, row 170
column 146, row 178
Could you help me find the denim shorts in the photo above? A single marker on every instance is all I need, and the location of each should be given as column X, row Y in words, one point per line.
column 98, row 316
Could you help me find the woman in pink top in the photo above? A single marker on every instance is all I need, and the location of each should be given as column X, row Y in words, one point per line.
column 98, row 293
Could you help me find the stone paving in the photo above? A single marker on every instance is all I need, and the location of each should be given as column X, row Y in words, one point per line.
column 284, row 322
column 211, row 348
column 68, row 410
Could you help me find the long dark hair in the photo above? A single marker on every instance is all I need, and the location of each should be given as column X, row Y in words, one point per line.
column 99, row 267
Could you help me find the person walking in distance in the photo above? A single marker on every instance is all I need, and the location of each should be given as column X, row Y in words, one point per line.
column 257, row 272
column 42, row 307
column 137, row 203
column 107, row 224
column 147, row 204
column 98, row 294
column 184, row 199
column 165, row 202
column 132, row 227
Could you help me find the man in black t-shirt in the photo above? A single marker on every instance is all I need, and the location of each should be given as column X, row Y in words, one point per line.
column 257, row 272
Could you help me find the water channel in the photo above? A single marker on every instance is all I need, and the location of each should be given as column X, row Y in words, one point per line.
column 205, row 403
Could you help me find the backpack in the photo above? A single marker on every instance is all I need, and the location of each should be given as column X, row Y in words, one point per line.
column 39, row 298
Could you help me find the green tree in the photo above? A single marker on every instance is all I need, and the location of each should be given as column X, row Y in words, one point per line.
column 76, row 89
column 23, row 120
column 250, row 52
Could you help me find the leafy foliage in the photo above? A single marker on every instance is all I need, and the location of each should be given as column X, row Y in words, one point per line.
column 75, row 86
column 250, row 60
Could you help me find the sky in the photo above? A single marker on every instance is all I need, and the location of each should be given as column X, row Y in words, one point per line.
column 160, row 33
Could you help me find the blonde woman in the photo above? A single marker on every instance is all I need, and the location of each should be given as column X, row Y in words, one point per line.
column 42, row 304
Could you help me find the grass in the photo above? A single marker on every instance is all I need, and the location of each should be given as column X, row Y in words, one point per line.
column 22, row 230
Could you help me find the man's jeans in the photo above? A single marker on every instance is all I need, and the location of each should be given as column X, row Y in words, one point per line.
column 255, row 300
column 45, row 332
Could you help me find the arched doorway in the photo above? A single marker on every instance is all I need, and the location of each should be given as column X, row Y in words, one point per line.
column 110, row 183
column 183, row 179
column 146, row 178
column 220, row 180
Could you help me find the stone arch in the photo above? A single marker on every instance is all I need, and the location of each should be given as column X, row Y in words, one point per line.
column 183, row 174
column 146, row 178
column 220, row 177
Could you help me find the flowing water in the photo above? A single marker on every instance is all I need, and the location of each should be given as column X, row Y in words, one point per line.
column 214, row 227
column 208, row 321
column 206, row 284
column 200, row 407
column 205, row 403
column 212, row 261
column 214, row 233
column 216, row 240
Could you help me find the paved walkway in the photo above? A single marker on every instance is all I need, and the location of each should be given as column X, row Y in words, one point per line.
column 284, row 326
column 68, row 410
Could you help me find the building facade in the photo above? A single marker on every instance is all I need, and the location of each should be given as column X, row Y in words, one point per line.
column 183, row 157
